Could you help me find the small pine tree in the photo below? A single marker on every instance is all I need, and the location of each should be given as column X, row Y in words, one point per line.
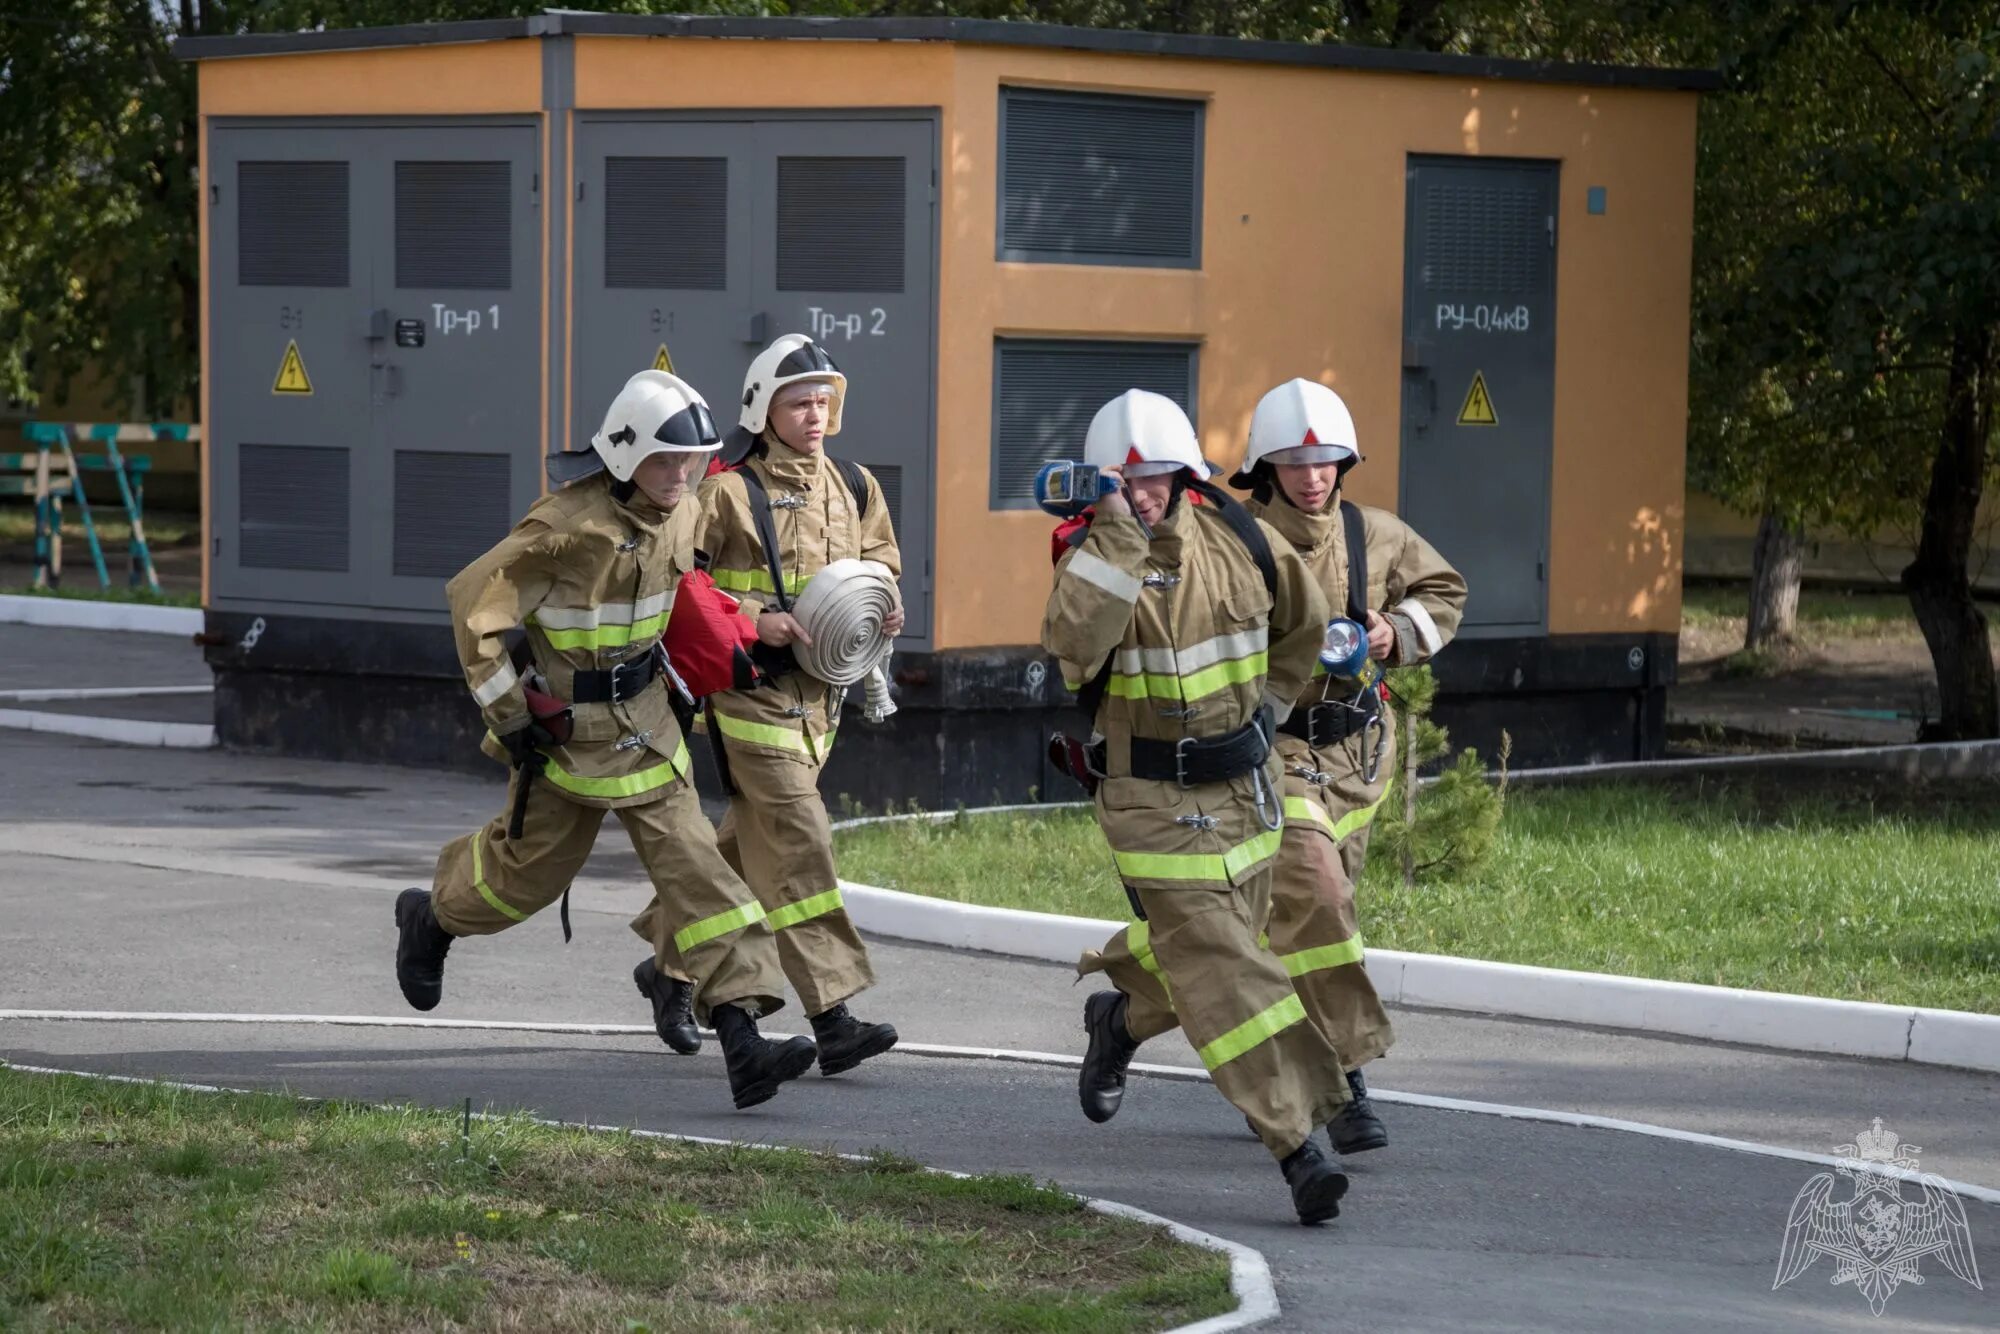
column 1447, row 831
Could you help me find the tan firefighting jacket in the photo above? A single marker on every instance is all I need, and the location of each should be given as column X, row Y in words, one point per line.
column 591, row 579
column 814, row 516
column 1419, row 592
column 1197, row 645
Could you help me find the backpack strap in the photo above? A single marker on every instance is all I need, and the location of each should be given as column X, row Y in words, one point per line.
column 1244, row 525
column 857, row 483
column 1357, row 562
column 767, row 532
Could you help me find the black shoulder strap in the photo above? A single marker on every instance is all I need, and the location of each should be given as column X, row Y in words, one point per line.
column 767, row 532
column 1357, row 561
column 857, row 483
column 1244, row 525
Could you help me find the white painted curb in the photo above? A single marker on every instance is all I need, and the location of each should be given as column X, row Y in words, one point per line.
column 124, row 731
column 1249, row 1272
column 82, row 614
column 1601, row 1000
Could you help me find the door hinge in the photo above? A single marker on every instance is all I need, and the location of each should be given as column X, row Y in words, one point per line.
column 579, row 192
column 215, row 194
column 1541, row 570
column 215, row 546
column 1552, row 230
column 535, row 184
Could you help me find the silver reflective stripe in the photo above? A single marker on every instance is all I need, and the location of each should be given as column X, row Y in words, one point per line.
column 605, row 613
column 1426, row 628
column 1102, row 573
column 1184, row 662
column 495, row 685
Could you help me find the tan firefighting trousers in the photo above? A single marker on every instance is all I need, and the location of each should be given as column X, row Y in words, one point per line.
column 704, row 925
column 1313, row 929
column 1195, row 963
column 777, row 837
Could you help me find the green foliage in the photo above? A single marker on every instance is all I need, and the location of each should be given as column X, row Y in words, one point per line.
column 1458, row 815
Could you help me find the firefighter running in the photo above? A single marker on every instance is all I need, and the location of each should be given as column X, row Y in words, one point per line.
column 589, row 573
column 785, row 512
column 1186, row 627
column 1339, row 747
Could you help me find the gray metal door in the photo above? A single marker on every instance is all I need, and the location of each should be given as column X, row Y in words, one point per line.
column 456, row 332
column 375, row 322
column 1479, row 378
column 711, row 238
column 288, row 369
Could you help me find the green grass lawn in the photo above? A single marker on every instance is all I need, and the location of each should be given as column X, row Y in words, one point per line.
column 1855, row 888
column 136, row 1207
column 90, row 592
column 1825, row 614
column 163, row 529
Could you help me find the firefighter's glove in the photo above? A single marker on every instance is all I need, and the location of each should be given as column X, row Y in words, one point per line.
column 522, row 743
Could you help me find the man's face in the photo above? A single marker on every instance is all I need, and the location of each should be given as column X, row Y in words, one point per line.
column 1151, row 495
column 664, row 478
column 1308, row 485
column 800, row 416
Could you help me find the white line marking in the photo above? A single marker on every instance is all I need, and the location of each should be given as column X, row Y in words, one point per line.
column 124, row 731
column 1189, row 1074
column 1249, row 1272
column 52, row 694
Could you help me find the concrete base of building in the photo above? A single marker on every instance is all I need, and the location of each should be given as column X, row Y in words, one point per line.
column 972, row 729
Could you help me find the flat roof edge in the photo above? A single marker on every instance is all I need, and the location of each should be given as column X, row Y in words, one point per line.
column 981, row 32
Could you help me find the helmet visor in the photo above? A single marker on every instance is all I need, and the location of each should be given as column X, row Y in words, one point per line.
column 1155, row 469
column 1300, row 454
column 690, row 428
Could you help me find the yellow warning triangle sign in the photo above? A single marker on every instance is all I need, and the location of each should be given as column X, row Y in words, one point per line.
column 292, row 378
column 1478, row 409
column 663, row 362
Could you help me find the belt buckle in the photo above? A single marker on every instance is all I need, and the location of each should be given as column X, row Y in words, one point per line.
column 1180, row 761
column 622, row 674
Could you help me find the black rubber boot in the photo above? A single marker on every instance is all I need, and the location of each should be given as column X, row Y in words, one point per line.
column 1316, row 1180
column 845, row 1042
column 1101, row 1083
column 1355, row 1128
column 420, row 949
column 756, row 1064
column 673, row 1007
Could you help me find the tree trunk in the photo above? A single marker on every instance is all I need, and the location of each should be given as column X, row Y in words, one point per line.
column 1938, row 580
column 1776, row 564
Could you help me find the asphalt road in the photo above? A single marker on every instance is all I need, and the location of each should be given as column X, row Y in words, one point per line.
column 201, row 882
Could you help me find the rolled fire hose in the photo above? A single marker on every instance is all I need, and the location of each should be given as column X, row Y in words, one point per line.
column 842, row 609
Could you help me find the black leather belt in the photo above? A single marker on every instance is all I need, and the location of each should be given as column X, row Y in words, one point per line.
column 1332, row 721
column 619, row 683
column 1192, row 761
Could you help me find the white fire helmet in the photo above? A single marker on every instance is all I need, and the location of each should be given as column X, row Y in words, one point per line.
column 793, row 359
column 655, row 413
column 1143, row 434
column 1301, row 421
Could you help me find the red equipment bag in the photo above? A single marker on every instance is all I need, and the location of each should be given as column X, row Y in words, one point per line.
column 708, row 638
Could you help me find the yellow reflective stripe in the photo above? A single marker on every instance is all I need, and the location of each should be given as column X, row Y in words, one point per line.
column 1298, row 808
column 1204, row 682
column 625, row 785
column 819, row 905
column 708, row 928
column 1139, row 940
column 1358, row 819
column 1323, row 956
column 605, row 636
column 761, row 734
column 755, row 581
column 1198, row 865
column 1250, row 1032
column 498, row 904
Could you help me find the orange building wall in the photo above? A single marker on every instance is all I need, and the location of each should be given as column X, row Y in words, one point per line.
column 1302, row 274
column 1302, row 262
